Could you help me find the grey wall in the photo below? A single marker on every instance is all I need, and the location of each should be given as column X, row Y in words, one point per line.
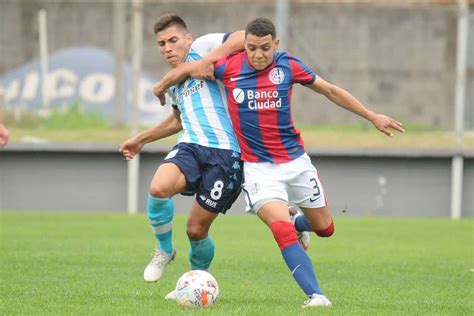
column 93, row 178
column 396, row 58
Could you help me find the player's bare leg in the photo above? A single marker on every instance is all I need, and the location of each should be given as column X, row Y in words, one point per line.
column 167, row 181
column 320, row 220
column 202, row 245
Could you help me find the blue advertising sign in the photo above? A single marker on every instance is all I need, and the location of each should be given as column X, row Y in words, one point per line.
column 79, row 74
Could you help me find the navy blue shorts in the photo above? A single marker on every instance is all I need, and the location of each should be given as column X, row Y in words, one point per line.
column 214, row 175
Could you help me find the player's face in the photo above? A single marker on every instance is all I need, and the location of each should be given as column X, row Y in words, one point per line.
column 174, row 43
column 260, row 50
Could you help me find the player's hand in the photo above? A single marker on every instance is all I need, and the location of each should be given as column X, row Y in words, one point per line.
column 130, row 148
column 4, row 135
column 205, row 70
column 384, row 124
column 159, row 92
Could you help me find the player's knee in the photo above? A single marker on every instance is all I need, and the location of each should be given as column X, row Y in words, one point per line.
column 196, row 232
column 327, row 232
column 284, row 234
column 160, row 192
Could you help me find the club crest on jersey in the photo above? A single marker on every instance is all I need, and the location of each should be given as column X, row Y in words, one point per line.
column 276, row 75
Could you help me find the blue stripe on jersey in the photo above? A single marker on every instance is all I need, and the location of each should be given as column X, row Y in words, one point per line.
column 192, row 134
column 284, row 116
column 219, row 71
column 223, row 115
column 204, row 122
column 251, row 116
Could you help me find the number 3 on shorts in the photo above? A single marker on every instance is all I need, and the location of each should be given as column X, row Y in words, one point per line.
column 316, row 189
column 216, row 192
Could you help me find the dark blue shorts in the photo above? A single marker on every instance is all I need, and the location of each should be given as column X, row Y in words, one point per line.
column 214, row 175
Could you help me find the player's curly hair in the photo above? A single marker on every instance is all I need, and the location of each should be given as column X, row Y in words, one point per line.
column 261, row 27
column 167, row 20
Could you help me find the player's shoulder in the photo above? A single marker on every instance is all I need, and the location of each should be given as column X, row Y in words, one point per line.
column 210, row 38
column 203, row 45
column 284, row 56
column 287, row 58
column 239, row 54
column 232, row 58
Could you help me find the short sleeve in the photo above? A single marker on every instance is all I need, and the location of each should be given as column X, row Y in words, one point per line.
column 300, row 72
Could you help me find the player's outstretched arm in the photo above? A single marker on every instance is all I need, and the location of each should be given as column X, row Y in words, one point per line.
column 346, row 100
column 169, row 126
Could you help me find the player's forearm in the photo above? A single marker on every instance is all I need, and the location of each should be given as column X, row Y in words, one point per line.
column 233, row 43
column 173, row 77
column 168, row 127
column 347, row 101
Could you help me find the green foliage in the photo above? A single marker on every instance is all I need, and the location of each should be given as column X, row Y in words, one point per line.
column 68, row 117
column 71, row 263
column 74, row 117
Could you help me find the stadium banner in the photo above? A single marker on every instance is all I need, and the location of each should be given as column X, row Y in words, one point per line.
column 83, row 75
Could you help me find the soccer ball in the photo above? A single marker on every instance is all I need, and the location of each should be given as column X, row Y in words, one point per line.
column 197, row 288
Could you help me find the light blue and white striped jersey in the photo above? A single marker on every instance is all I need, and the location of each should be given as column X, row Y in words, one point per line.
column 203, row 104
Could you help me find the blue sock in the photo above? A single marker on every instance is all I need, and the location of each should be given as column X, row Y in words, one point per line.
column 160, row 214
column 201, row 253
column 302, row 224
column 301, row 268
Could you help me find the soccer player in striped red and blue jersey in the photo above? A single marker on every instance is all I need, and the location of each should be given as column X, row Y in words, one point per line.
column 277, row 170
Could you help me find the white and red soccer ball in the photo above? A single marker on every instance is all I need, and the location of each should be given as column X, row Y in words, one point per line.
column 197, row 288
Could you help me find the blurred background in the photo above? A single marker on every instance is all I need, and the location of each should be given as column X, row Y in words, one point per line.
column 76, row 80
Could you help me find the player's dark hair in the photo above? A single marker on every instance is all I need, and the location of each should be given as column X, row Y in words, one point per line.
column 261, row 27
column 167, row 20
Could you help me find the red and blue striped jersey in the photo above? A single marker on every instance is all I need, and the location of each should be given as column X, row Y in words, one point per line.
column 260, row 105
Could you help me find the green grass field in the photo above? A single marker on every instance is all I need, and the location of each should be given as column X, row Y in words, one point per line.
column 321, row 136
column 71, row 263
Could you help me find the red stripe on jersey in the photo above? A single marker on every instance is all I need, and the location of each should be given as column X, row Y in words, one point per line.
column 233, row 70
column 268, row 120
column 220, row 62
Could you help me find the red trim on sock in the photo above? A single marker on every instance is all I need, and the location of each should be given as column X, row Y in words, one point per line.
column 284, row 234
column 328, row 231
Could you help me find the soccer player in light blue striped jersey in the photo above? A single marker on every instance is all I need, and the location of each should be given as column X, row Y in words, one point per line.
column 206, row 161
